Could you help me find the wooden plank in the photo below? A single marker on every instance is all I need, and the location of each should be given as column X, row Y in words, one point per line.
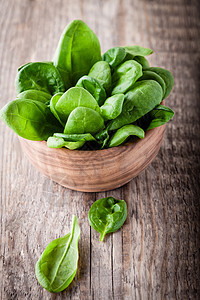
column 155, row 254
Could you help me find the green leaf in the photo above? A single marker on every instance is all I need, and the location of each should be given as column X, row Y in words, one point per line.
column 84, row 120
column 125, row 75
column 35, row 95
column 39, row 76
column 93, row 87
column 57, row 266
column 114, row 56
column 143, row 61
column 123, row 133
column 52, row 106
column 143, row 97
column 159, row 115
column 73, row 98
column 166, row 76
column 101, row 72
column 112, row 107
column 107, row 215
column 70, row 141
column 138, row 50
column 78, row 50
column 150, row 75
column 30, row 119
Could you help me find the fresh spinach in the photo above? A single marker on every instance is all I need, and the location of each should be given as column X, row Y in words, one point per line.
column 78, row 50
column 73, row 98
column 150, row 75
column 57, row 266
column 123, row 133
column 143, row 61
column 144, row 96
column 93, row 87
column 107, row 215
column 125, row 75
column 159, row 115
column 52, row 106
column 84, row 120
column 30, row 119
column 39, row 76
column 35, row 95
column 112, row 107
column 138, row 50
column 101, row 72
column 114, row 56
column 167, row 76
column 70, row 141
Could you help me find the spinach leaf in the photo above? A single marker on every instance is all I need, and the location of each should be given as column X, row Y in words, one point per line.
column 150, row 75
column 102, row 137
column 123, row 133
column 84, row 120
column 57, row 266
column 101, row 72
column 70, row 141
column 159, row 115
column 114, row 56
column 125, row 75
column 35, row 95
column 112, row 107
column 78, row 50
column 52, row 106
column 144, row 96
column 138, row 50
column 93, row 87
column 39, row 76
column 166, row 76
column 30, row 119
column 73, row 98
column 143, row 61
column 107, row 215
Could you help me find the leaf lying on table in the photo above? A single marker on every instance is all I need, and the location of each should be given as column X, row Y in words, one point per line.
column 57, row 265
column 107, row 215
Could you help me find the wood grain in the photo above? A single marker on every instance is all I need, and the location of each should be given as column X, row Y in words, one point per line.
column 155, row 255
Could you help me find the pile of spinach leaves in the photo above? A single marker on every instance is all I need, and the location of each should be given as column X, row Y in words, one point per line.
column 82, row 100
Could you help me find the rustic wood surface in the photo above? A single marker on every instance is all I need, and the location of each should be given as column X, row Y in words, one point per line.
column 155, row 255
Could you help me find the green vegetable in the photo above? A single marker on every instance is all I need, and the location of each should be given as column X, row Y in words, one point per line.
column 138, row 50
column 114, row 56
column 107, row 215
column 73, row 98
column 93, row 87
column 112, row 107
column 35, row 95
column 39, row 76
column 166, row 76
column 143, row 61
column 102, row 137
column 52, row 106
column 144, row 96
column 78, row 50
column 57, row 266
column 101, row 72
column 30, row 119
column 150, row 75
column 123, row 133
column 159, row 115
column 84, row 120
column 70, row 141
column 125, row 75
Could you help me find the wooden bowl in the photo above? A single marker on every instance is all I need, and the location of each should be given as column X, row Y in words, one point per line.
column 94, row 171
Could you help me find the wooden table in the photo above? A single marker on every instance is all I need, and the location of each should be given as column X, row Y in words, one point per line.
column 155, row 254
